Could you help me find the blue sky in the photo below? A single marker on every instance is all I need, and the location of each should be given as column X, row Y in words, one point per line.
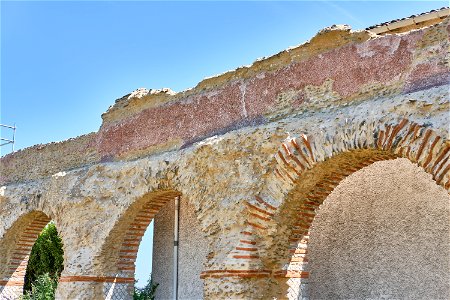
column 63, row 63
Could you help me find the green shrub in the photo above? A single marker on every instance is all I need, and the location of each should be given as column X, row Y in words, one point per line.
column 147, row 292
column 46, row 257
column 43, row 288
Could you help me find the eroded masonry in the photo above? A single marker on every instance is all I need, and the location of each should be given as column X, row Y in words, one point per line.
column 322, row 172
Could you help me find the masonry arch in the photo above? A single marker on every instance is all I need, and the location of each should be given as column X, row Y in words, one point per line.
column 15, row 248
column 381, row 233
column 116, row 261
column 119, row 251
column 306, row 170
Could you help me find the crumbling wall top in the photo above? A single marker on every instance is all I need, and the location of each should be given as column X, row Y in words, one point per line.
column 336, row 68
column 325, row 40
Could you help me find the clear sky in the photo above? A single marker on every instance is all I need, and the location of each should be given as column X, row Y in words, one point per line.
column 63, row 63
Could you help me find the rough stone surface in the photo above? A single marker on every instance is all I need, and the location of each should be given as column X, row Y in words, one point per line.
column 336, row 68
column 383, row 233
column 254, row 152
column 193, row 249
column 162, row 265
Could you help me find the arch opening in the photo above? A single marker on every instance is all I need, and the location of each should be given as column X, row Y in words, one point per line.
column 306, row 169
column 122, row 247
column 120, row 250
column 17, row 246
column 289, row 253
column 381, row 233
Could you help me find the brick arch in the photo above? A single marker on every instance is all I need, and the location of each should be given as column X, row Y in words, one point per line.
column 306, row 170
column 119, row 251
column 15, row 249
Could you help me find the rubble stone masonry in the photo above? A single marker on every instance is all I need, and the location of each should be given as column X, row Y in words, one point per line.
column 253, row 153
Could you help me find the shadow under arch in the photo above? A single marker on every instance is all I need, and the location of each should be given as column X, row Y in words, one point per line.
column 306, row 171
column 119, row 251
column 15, row 249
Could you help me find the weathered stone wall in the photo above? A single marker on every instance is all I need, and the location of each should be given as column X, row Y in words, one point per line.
column 254, row 152
column 222, row 174
column 336, row 68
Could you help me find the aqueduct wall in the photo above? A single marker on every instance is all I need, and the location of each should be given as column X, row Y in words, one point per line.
column 254, row 152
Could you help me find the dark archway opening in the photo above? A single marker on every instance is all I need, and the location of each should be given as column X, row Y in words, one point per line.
column 16, row 249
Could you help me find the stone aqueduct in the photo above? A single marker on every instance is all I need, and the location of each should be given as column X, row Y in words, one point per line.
column 254, row 151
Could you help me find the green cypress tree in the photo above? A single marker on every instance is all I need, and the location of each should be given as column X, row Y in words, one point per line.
column 46, row 257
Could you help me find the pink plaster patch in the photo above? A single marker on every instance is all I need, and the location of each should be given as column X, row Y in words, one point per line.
column 192, row 117
column 383, row 60
column 427, row 75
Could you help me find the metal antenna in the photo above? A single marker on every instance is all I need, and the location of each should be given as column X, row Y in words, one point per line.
column 4, row 141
